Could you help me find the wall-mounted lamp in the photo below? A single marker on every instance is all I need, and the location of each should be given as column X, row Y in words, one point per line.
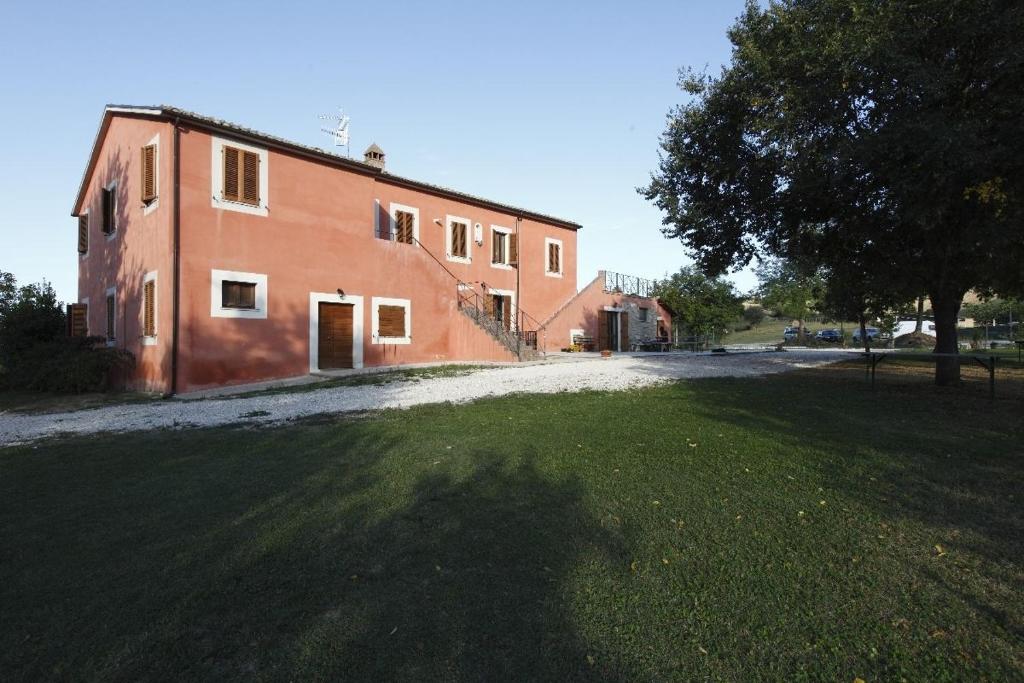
column 438, row 221
column 341, row 292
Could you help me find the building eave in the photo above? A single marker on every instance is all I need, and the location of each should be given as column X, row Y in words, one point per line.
column 294, row 148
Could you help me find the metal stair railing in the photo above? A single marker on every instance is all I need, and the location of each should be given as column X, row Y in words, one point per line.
column 518, row 340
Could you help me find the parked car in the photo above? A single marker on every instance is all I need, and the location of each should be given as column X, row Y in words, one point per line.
column 872, row 333
column 791, row 333
column 829, row 336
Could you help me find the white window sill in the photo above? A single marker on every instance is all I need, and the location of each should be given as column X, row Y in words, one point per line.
column 111, row 235
column 149, row 341
column 392, row 340
column 502, row 266
column 150, row 206
column 241, row 207
column 550, row 274
column 240, row 313
column 458, row 259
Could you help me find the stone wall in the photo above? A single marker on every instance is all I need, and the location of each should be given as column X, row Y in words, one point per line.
column 641, row 330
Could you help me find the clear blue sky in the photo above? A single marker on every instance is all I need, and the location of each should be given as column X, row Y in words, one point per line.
column 546, row 106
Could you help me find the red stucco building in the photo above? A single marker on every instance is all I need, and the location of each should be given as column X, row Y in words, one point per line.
column 220, row 255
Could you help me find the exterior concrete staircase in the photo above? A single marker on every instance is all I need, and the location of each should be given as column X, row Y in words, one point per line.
column 522, row 343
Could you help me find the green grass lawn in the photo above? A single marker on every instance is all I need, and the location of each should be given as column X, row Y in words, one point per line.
column 800, row 527
column 768, row 332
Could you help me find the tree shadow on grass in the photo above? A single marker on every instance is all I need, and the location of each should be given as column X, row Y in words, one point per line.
column 941, row 460
column 335, row 554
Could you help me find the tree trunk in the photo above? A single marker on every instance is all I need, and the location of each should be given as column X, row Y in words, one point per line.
column 946, row 306
column 801, row 338
column 919, row 325
column 864, row 331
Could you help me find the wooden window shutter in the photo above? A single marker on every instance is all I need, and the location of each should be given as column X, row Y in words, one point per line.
column 238, row 294
column 390, row 321
column 403, row 227
column 459, row 239
column 231, row 175
column 602, row 330
column 149, row 173
column 250, row 193
column 248, row 295
column 513, row 250
column 506, row 312
column 149, row 309
column 553, row 257
column 78, row 320
column 111, row 316
column 83, row 233
column 495, row 246
column 557, row 250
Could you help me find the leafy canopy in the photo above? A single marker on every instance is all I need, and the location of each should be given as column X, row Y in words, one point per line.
column 703, row 305
column 880, row 141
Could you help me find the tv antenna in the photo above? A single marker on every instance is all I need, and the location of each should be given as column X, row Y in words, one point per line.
column 339, row 131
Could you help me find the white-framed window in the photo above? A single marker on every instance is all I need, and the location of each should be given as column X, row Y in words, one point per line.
column 643, row 314
column 553, row 257
column 150, row 311
column 108, row 208
column 239, row 177
column 501, row 247
column 391, row 320
column 150, row 172
column 404, row 223
column 110, row 313
column 238, row 295
column 458, row 239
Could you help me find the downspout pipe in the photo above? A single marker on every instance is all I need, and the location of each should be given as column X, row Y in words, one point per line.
column 176, row 251
column 519, row 303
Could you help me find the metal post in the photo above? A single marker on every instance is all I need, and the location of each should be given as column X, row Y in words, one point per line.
column 992, row 379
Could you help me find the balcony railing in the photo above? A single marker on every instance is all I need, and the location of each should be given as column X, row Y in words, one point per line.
column 628, row 284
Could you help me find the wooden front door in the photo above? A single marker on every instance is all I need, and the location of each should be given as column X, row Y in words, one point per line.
column 335, row 336
column 607, row 331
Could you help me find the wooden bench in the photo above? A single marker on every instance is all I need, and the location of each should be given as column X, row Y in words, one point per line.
column 585, row 343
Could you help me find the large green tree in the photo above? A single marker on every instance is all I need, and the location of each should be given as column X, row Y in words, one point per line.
column 868, row 136
column 704, row 306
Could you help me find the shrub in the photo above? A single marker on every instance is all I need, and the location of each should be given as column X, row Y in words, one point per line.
column 69, row 365
column 36, row 354
column 753, row 315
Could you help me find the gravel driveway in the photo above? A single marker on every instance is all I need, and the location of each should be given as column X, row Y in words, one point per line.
column 621, row 372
